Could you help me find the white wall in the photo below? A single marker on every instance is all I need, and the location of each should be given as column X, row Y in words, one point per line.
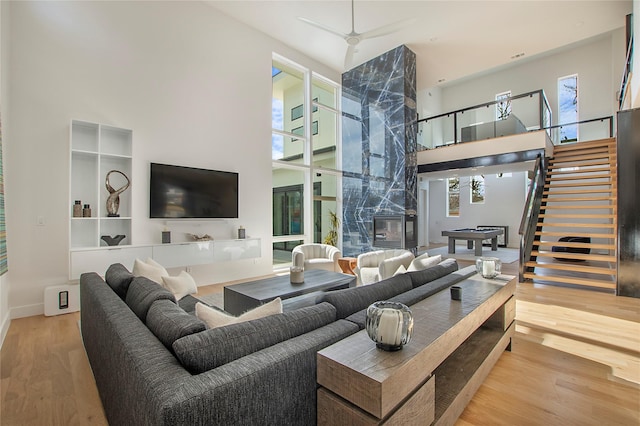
column 4, row 101
column 598, row 62
column 194, row 86
column 504, row 202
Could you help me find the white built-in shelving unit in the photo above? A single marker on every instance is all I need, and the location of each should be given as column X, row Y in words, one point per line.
column 97, row 149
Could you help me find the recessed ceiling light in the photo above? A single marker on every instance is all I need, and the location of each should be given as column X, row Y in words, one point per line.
column 518, row 55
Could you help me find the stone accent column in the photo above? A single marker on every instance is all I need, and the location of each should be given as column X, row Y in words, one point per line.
column 378, row 144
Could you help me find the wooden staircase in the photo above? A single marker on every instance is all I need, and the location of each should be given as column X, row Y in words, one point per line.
column 579, row 200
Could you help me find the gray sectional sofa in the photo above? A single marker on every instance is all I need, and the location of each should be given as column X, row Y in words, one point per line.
column 155, row 363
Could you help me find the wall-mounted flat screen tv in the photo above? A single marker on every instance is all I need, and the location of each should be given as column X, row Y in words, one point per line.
column 189, row 193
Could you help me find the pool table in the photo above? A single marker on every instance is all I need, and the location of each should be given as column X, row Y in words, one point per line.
column 473, row 235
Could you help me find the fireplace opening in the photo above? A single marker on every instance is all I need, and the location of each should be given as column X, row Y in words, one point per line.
column 395, row 231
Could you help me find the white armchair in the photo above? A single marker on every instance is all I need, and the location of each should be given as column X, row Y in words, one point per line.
column 316, row 256
column 378, row 265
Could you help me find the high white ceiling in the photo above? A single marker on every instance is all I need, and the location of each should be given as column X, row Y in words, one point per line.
column 452, row 39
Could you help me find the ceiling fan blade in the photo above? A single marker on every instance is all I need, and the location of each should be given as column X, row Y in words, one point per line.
column 349, row 57
column 323, row 27
column 386, row 29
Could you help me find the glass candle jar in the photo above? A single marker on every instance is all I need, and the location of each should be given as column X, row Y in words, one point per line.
column 488, row 267
column 389, row 324
column 296, row 273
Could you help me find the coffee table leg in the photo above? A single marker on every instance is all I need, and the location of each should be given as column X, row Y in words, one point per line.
column 478, row 251
column 494, row 244
column 452, row 245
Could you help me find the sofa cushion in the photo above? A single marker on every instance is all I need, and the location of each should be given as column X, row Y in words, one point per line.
column 218, row 346
column 352, row 300
column 150, row 269
column 169, row 322
column 180, row 285
column 443, row 268
column 419, row 293
column 119, row 278
column 422, row 292
column 142, row 293
column 423, row 262
column 214, row 317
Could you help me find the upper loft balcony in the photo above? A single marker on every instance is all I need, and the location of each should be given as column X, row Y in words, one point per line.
column 509, row 130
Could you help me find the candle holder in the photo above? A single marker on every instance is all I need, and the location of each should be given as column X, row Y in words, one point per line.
column 389, row 324
column 488, row 267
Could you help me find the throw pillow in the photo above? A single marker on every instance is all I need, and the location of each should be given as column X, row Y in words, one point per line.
column 420, row 263
column 154, row 271
column 181, row 285
column 214, row 318
column 401, row 270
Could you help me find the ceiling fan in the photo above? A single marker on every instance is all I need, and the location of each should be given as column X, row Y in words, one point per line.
column 354, row 38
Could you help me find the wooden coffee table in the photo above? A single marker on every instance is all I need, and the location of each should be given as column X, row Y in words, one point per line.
column 454, row 346
column 239, row 298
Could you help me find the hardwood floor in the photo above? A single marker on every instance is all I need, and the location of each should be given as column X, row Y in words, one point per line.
column 45, row 378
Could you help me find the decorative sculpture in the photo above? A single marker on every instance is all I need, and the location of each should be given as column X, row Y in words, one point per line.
column 113, row 202
column 113, row 241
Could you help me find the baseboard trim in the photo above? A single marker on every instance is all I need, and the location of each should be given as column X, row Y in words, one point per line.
column 27, row 311
column 4, row 328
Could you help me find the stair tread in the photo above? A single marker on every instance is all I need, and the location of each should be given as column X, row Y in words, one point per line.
column 573, row 268
column 572, row 199
column 606, row 176
column 600, row 257
column 580, row 157
column 574, row 244
column 579, row 145
column 577, row 225
column 576, row 234
column 581, row 207
column 577, row 184
column 577, row 191
column 582, row 170
column 578, row 216
column 571, row 280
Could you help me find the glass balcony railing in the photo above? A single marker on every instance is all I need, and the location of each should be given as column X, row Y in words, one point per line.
column 508, row 116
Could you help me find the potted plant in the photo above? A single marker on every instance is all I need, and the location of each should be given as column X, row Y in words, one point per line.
column 332, row 235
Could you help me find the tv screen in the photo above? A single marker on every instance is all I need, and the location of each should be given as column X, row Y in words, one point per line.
column 190, row 193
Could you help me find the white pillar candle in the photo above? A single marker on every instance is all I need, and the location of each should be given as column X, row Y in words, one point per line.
column 488, row 268
column 390, row 327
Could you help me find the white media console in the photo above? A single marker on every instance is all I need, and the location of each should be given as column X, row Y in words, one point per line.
column 173, row 255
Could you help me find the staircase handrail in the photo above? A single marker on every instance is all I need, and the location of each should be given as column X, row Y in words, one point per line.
column 529, row 221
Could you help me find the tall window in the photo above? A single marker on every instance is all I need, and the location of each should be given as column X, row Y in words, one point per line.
column 304, row 145
column 477, row 189
column 568, row 107
column 503, row 109
column 453, row 197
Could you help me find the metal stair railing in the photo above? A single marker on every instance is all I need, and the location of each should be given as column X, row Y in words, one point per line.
column 528, row 224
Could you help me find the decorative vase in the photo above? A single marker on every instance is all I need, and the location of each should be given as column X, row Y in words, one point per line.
column 113, row 201
column 113, row 241
column 77, row 209
column 389, row 324
column 488, row 267
column 86, row 211
column 296, row 274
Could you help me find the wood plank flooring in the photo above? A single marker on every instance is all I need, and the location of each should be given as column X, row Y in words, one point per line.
column 45, row 378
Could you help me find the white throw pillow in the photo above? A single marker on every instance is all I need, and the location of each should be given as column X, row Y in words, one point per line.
column 420, row 263
column 401, row 270
column 215, row 318
column 154, row 272
column 181, row 285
